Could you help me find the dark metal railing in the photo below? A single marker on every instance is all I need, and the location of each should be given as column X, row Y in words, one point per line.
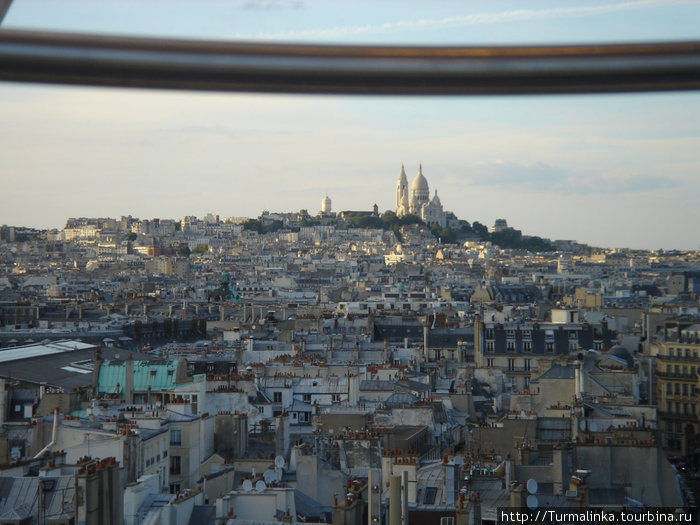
column 99, row 60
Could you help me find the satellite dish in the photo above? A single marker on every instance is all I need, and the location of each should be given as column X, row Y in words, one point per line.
column 532, row 502
column 247, row 485
column 532, row 486
column 459, row 460
column 260, row 485
column 269, row 476
column 279, row 462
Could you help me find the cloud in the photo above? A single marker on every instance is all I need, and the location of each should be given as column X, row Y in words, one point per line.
column 458, row 21
column 267, row 5
column 539, row 177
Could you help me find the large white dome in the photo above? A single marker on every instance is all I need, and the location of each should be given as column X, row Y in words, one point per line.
column 420, row 184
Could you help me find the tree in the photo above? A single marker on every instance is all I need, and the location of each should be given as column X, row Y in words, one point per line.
column 202, row 248
column 253, row 225
column 481, row 230
column 185, row 250
column 131, row 236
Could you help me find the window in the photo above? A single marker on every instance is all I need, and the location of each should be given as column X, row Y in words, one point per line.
column 335, row 398
column 550, row 347
column 526, row 365
column 668, row 388
column 307, row 398
column 511, row 364
column 489, row 362
column 489, row 333
column 447, row 520
column 176, row 436
column 527, row 346
column 175, row 466
column 527, row 334
column 510, row 346
column 429, row 496
column 277, row 397
column 174, row 488
column 489, row 346
column 510, row 334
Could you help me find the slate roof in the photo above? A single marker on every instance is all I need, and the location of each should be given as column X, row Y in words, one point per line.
column 67, row 370
column 300, row 406
column 18, row 497
column 203, row 515
column 311, row 510
column 558, row 372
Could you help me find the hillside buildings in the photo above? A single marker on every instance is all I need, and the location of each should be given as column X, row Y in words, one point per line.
column 297, row 370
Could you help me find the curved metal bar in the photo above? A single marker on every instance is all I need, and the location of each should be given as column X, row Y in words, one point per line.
column 96, row 60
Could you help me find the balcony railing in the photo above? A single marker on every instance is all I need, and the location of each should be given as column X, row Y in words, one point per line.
column 673, row 415
column 101, row 60
column 676, row 375
column 673, row 358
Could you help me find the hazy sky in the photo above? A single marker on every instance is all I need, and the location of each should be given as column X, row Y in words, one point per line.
column 610, row 170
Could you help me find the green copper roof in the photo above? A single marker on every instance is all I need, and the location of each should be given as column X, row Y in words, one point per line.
column 159, row 376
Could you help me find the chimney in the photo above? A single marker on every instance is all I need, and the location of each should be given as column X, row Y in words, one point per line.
column 129, row 380
column 395, row 500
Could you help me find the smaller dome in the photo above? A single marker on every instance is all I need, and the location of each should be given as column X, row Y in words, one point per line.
column 400, row 399
column 622, row 354
column 436, row 199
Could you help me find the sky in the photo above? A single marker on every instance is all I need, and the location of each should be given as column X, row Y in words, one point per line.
column 607, row 170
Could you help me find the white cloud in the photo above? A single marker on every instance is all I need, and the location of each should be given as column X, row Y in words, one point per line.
column 457, row 21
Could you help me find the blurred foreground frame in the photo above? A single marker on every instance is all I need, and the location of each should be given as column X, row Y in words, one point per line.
column 230, row 66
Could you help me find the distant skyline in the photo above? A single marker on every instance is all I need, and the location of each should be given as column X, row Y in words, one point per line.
column 607, row 170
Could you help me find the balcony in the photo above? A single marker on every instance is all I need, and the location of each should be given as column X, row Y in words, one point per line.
column 673, row 415
column 519, row 370
column 677, row 375
column 679, row 359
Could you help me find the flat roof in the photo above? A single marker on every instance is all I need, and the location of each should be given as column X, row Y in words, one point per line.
column 26, row 352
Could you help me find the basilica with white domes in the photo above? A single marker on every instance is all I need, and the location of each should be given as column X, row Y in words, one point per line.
column 418, row 201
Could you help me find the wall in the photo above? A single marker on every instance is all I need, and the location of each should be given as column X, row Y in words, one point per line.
column 644, row 470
